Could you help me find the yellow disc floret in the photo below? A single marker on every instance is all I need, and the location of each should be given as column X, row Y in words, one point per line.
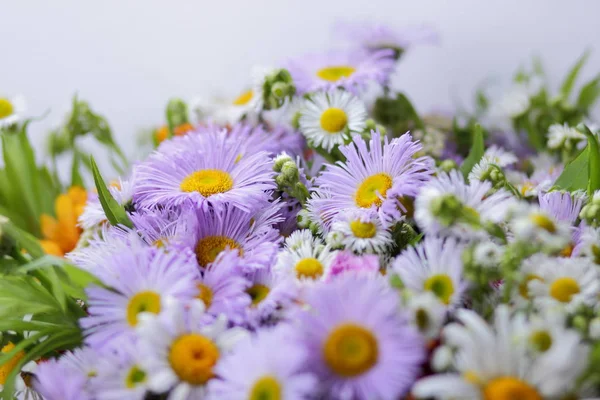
column 333, row 120
column 350, row 350
column 309, row 268
column 6, row 108
column 258, row 293
column 192, row 357
column 563, row 289
column 336, row 72
column 441, row 285
column 363, row 230
column 205, row 294
column 244, row 98
column 266, row 388
column 207, row 182
column 372, row 190
column 147, row 301
column 135, row 376
column 209, row 247
column 508, row 388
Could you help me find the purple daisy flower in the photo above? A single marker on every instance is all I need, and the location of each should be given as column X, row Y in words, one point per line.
column 139, row 279
column 264, row 366
column 271, row 294
column 378, row 176
column 223, row 289
column 252, row 234
column 360, row 346
column 563, row 207
column 60, row 380
column 351, row 70
column 348, row 262
column 274, row 141
column 163, row 227
column 204, row 169
column 374, row 36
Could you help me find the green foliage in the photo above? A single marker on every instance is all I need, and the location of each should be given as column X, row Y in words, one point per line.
column 397, row 114
column 575, row 175
column 477, row 150
column 569, row 82
column 176, row 114
column 115, row 213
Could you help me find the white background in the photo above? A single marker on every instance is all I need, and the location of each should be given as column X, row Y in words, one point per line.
column 128, row 57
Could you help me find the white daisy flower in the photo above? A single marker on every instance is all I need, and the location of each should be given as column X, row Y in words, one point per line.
column 329, row 119
column 179, row 353
column 514, row 103
column 567, row 282
column 499, row 156
column 362, row 231
column 122, row 376
column 427, row 314
column 491, row 363
column 564, row 136
column 588, row 243
column 11, row 110
column 432, row 139
column 308, row 262
column 434, row 265
column 300, row 237
column 447, row 206
column 93, row 214
column 534, row 226
column 487, row 254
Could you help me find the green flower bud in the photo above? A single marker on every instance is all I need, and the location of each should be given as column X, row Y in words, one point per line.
column 448, row 165
column 176, row 113
column 280, row 160
column 303, row 219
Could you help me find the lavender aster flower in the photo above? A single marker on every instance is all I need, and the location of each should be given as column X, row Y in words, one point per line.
column 378, row 176
column 251, row 234
column 59, row 380
column 359, row 346
column 139, row 280
column 564, row 207
column 271, row 294
column 163, row 227
column 265, row 366
column 205, row 169
column 351, row 70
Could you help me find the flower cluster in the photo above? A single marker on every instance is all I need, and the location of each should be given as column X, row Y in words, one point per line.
column 299, row 242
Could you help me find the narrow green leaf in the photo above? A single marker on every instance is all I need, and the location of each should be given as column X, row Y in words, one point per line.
column 24, row 240
column 576, row 173
column 115, row 213
column 567, row 86
column 589, row 93
column 476, row 152
column 76, row 179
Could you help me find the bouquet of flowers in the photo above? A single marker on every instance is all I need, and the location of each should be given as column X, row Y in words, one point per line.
column 313, row 238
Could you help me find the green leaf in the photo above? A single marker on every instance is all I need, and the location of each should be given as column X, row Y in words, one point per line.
column 397, row 113
column 567, row 86
column 115, row 213
column 23, row 239
column 594, row 159
column 576, row 173
column 588, row 94
column 76, row 179
column 476, row 152
column 24, row 295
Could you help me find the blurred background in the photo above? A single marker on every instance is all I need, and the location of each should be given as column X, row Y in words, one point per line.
column 127, row 58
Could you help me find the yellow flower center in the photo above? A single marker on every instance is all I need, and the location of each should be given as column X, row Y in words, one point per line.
column 205, row 294
column 258, row 293
column 8, row 366
column 543, row 222
column 309, row 268
column 134, row 377
column 508, row 388
column 567, row 251
column 563, row 289
column 244, row 98
column 209, row 247
column 192, row 357
column 524, row 286
column 336, row 72
column 266, row 388
column 350, row 350
column 6, row 108
column 207, row 182
column 441, row 285
column 334, row 120
column 363, row 230
column 422, row 319
column 540, row 340
column 147, row 301
column 372, row 190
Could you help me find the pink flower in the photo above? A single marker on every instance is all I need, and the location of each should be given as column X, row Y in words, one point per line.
column 346, row 261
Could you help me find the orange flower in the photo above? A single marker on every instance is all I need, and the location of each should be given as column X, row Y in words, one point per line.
column 61, row 234
column 7, row 367
column 162, row 133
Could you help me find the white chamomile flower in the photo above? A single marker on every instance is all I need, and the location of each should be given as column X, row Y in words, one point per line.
column 11, row 110
column 179, row 353
column 514, row 103
column 329, row 119
column 588, row 243
column 491, row 363
column 432, row 139
column 93, row 214
column 299, row 238
column 499, row 156
column 434, row 265
column 487, row 254
column 427, row 314
column 308, row 262
column 362, row 231
column 561, row 282
column 122, row 376
column 534, row 226
column 564, row 136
